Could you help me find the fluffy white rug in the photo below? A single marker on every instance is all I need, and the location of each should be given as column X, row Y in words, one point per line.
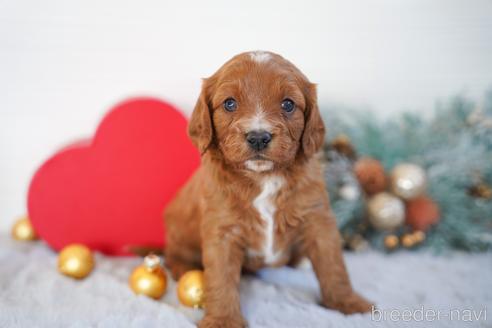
column 458, row 285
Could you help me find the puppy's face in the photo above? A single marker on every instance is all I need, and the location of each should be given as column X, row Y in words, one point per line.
column 259, row 111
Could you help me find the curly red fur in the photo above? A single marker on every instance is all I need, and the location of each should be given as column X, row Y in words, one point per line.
column 215, row 222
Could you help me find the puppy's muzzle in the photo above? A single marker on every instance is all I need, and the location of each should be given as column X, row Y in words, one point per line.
column 258, row 140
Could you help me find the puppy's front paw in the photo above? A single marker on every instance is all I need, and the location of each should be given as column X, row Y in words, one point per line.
column 210, row 321
column 353, row 303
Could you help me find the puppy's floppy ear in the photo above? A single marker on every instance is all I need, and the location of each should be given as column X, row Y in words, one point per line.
column 200, row 128
column 314, row 128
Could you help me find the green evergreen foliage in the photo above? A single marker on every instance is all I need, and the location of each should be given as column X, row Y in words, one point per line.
column 454, row 146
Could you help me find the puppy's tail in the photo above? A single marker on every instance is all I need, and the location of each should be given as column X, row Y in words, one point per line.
column 145, row 250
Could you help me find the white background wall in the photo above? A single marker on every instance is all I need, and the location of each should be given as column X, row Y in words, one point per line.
column 63, row 63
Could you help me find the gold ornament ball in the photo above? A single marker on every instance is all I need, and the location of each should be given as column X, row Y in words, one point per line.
column 386, row 212
column 75, row 261
column 408, row 240
column 191, row 289
column 23, row 230
column 149, row 279
column 408, row 180
column 418, row 236
column 391, row 242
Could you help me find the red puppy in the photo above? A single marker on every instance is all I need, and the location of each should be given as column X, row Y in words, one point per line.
column 258, row 198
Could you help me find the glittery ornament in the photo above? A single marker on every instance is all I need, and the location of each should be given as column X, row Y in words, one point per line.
column 418, row 236
column 408, row 180
column 421, row 213
column 370, row 174
column 75, row 261
column 191, row 289
column 23, row 230
column 149, row 278
column 391, row 242
column 349, row 192
column 386, row 212
column 408, row 240
column 412, row 239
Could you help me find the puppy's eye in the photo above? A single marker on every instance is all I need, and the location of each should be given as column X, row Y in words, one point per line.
column 230, row 105
column 288, row 105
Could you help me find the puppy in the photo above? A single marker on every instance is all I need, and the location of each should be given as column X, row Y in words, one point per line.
column 258, row 199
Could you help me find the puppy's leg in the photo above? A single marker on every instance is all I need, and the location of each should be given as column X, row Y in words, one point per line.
column 222, row 260
column 180, row 258
column 296, row 257
column 182, row 251
column 322, row 244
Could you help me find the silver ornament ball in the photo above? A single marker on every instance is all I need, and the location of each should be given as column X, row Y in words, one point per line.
column 349, row 192
column 386, row 212
column 408, row 180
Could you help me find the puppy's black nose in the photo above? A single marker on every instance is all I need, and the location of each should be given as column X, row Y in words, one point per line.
column 258, row 140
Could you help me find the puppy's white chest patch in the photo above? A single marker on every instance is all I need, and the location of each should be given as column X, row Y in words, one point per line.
column 264, row 203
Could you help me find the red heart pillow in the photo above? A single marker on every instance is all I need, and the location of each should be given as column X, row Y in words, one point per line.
column 109, row 193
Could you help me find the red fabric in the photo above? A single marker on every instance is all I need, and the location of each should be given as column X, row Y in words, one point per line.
column 109, row 192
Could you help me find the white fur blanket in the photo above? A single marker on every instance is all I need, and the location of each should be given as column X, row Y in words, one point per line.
column 457, row 287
